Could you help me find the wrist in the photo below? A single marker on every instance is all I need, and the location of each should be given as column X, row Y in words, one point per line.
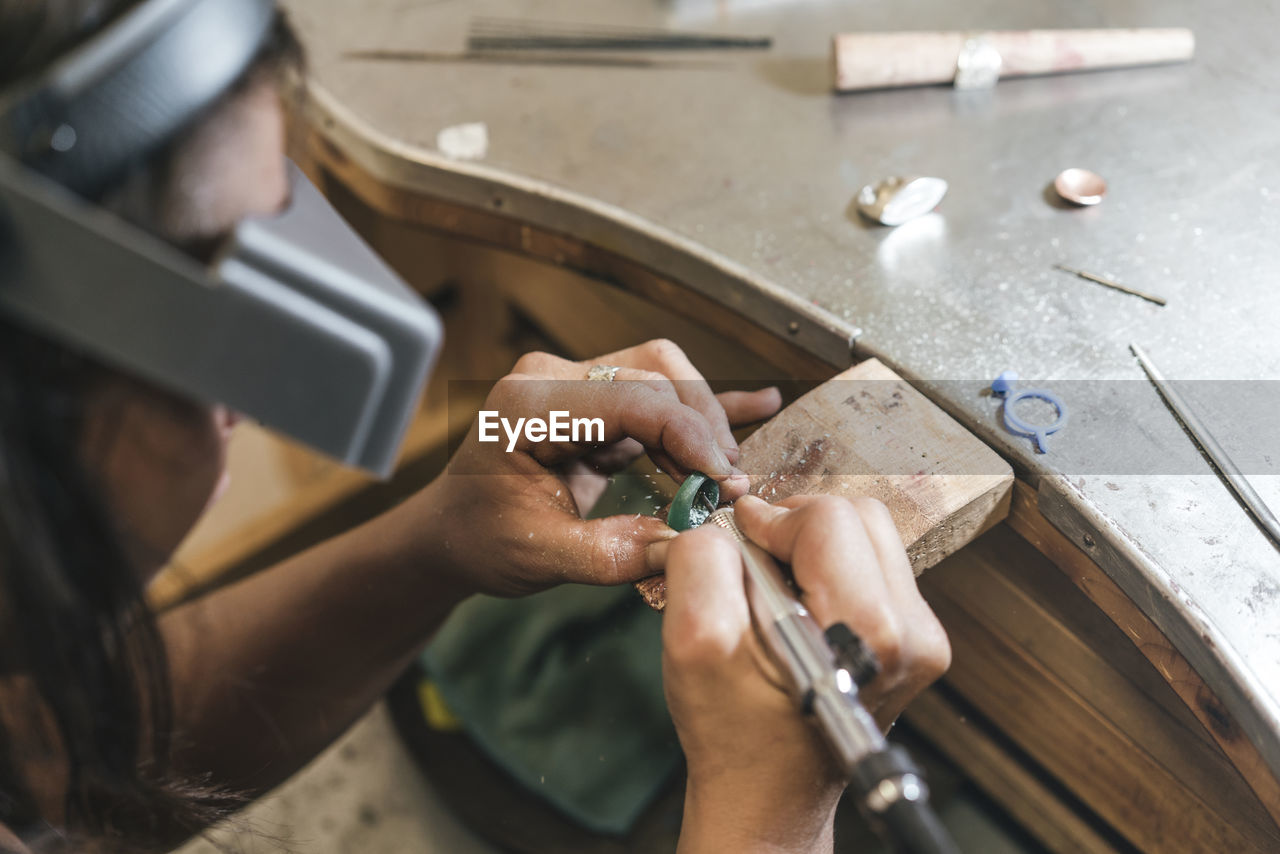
column 429, row 521
column 747, row 819
column 413, row 541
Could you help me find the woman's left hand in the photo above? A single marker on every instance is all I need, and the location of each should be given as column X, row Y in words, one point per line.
column 511, row 523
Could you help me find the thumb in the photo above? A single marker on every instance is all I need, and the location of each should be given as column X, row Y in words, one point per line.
column 706, row 615
column 610, row 550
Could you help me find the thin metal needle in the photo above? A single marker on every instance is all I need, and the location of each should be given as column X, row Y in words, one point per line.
column 1092, row 277
column 1216, row 453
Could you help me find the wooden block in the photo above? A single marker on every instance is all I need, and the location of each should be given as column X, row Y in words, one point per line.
column 866, row 432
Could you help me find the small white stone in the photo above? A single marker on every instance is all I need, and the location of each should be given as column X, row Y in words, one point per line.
column 464, row 142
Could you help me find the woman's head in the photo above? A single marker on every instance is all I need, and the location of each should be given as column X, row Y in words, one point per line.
column 160, row 457
column 102, row 474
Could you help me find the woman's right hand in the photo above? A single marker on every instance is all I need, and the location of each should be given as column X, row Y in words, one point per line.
column 760, row 777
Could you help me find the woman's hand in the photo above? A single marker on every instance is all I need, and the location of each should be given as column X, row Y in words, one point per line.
column 760, row 777
column 511, row 523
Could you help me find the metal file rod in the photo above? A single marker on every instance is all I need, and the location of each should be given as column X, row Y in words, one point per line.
column 1217, row 454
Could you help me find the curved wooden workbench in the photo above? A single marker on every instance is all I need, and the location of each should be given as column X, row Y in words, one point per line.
column 720, row 186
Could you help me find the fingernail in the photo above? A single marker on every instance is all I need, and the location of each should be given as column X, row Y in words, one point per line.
column 723, row 465
column 738, row 480
column 655, row 555
column 731, row 454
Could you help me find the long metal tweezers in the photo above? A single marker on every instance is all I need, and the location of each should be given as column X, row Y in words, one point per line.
column 1217, row 454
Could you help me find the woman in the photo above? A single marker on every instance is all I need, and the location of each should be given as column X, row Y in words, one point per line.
column 123, row 732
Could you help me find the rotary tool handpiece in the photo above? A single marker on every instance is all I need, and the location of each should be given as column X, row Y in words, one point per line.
column 890, row 789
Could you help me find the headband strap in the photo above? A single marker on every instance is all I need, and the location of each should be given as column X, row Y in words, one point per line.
column 128, row 91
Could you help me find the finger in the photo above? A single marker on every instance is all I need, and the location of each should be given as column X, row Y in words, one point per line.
column 586, row 485
column 924, row 649
column 665, row 465
column 793, row 502
column 655, row 380
column 748, row 407
column 774, row 527
column 731, row 489
column 544, row 366
column 611, row 550
column 885, row 539
column 892, row 555
column 660, row 384
column 706, row 617
column 877, row 596
column 926, row 657
column 666, row 358
column 834, row 563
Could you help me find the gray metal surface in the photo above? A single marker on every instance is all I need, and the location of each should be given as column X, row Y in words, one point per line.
column 738, row 176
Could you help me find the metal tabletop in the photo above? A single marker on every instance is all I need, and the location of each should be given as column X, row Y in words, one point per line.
column 738, row 170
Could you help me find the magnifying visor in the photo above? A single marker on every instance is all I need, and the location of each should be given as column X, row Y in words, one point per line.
column 295, row 323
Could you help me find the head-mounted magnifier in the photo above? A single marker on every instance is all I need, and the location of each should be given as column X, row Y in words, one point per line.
column 296, row 323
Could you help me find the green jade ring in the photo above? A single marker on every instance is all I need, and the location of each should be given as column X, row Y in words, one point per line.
column 694, row 501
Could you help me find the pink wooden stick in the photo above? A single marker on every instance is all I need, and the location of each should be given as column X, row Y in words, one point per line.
column 877, row 60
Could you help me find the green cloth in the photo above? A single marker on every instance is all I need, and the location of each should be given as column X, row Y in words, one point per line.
column 564, row 690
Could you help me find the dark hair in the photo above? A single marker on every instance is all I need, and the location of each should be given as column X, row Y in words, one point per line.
column 86, row 681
